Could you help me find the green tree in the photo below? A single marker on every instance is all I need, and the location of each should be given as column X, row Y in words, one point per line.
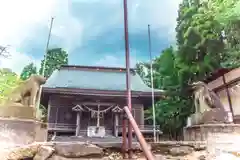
column 54, row 59
column 28, row 71
column 171, row 112
column 227, row 14
column 200, row 49
column 200, row 46
column 8, row 81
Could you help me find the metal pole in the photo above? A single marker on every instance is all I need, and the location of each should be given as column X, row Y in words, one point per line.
column 48, row 40
column 151, row 70
column 139, row 135
column 44, row 64
column 128, row 80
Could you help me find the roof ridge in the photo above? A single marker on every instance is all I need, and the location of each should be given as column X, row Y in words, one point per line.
column 81, row 67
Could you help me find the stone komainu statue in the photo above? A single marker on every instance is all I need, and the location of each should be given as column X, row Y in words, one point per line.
column 25, row 94
column 208, row 107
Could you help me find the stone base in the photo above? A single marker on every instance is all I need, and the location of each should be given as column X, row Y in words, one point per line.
column 18, row 131
column 21, row 112
column 201, row 132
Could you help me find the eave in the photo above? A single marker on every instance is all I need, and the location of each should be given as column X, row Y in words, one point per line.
column 92, row 92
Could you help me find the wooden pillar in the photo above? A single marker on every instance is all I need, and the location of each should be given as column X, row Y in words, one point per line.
column 48, row 115
column 49, row 110
column 117, row 111
column 158, row 134
column 78, row 109
column 56, row 118
column 116, row 124
column 77, row 133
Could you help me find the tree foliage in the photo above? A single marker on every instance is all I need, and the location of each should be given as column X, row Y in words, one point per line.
column 171, row 111
column 28, row 71
column 54, row 59
column 8, row 81
column 201, row 48
column 227, row 13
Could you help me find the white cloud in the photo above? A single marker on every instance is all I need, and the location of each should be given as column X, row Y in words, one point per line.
column 67, row 28
column 117, row 61
column 112, row 61
column 21, row 19
column 160, row 14
column 17, row 61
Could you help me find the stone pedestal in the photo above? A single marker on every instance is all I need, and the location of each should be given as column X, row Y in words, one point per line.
column 18, row 125
column 18, row 131
column 201, row 132
column 21, row 112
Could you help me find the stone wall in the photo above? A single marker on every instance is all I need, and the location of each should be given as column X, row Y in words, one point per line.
column 20, row 131
column 224, row 146
column 77, row 151
column 21, row 112
column 169, row 150
column 201, row 132
column 41, row 133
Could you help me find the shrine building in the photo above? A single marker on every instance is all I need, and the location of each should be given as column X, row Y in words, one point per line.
column 88, row 101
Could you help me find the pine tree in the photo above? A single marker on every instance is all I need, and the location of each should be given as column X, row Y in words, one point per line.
column 54, row 59
column 28, row 71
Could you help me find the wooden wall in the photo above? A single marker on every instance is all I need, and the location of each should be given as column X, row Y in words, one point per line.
column 233, row 87
column 60, row 111
column 230, row 76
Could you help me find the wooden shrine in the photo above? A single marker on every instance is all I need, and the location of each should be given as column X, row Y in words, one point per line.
column 88, row 101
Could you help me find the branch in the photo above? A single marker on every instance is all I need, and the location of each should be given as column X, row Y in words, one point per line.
column 4, row 52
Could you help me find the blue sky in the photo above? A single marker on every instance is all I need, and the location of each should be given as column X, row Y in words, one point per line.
column 91, row 31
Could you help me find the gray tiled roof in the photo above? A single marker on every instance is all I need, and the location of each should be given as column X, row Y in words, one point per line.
column 93, row 79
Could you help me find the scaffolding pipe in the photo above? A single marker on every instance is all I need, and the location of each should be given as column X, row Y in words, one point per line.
column 44, row 65
column 151, row 71
column 147, row 152
column 124, row 137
